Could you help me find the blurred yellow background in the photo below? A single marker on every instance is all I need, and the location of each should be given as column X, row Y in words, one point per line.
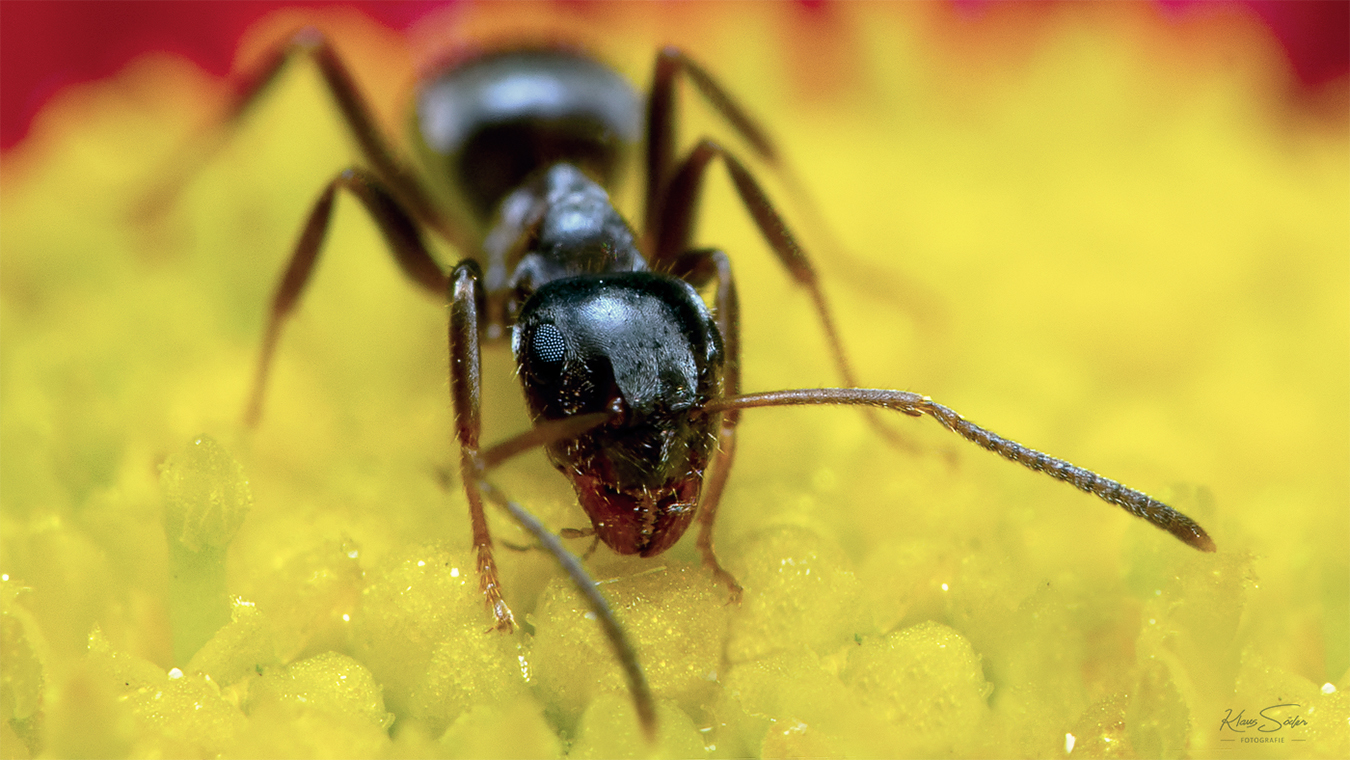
column 1108, row 233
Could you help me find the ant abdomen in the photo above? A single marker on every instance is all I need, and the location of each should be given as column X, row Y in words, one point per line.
column 492, row 121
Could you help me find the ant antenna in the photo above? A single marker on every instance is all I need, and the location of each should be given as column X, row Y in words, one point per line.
column 1135, row 502
column 542, row 434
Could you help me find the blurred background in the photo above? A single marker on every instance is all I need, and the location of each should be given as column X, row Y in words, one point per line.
column 46, row 45
column 1119, row 232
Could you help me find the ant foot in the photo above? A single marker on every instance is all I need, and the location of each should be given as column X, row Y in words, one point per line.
column 506, row 622
column 734, row 590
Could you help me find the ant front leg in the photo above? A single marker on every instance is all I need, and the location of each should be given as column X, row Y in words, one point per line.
column 400, row 233
column 623, row 649
column 466, row 305
column 467, row 301
column 698, row 268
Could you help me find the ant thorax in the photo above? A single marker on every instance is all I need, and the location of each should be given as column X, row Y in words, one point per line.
column 560, row 224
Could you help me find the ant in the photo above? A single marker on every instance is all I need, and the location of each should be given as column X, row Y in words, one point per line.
column 632, row 381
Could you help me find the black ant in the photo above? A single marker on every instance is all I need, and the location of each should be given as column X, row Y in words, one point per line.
column 632, row 381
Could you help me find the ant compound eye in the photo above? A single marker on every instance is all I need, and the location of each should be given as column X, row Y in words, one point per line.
column 547, row 350
column 548, row 345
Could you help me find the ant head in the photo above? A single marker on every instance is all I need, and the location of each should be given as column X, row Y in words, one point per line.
column 645, row 349
column 636, row 344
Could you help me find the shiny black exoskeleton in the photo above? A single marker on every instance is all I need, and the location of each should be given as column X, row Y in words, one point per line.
column 532, row 135
column 632, row 380
column 489, row 122
column 644, row 348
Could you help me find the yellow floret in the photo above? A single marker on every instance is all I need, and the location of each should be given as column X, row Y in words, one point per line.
column 206, row 498
column 1117, row 239
column 422, row 631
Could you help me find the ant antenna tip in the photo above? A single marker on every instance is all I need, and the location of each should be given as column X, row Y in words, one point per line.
column 1194, row 536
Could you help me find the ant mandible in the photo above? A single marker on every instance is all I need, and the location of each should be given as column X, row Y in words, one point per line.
column 632, row 382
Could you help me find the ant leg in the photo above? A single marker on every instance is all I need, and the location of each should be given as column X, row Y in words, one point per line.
column 623, row 648
column 583, row 533
column 466, row 299
column 466, row 290
column 661, row 118
column 400, row 232
column 567, row 533
column 677, row 224
column 698, row 267
column 1135, row 502
column 671, row 62
column 355, row 112
column 677, row 221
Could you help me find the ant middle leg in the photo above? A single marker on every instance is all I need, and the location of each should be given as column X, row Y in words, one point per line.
column 400, row 232
column 672, row 191
column 676, row 227
column 670, row 201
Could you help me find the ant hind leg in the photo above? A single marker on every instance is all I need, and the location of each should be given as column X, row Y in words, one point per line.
column 353, row 108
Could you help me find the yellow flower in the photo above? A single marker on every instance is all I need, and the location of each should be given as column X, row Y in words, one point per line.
column 1112, row 240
